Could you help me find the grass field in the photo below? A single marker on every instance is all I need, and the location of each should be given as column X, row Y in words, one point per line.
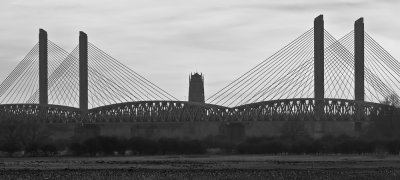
column 202, row 167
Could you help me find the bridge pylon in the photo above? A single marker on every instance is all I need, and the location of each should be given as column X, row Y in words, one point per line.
column 43, row 73
column 83, row 75
column 359, row 67
column 319, row 66
column 43, row 99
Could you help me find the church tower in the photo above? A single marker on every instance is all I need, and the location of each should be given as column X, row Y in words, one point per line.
column 196, row 88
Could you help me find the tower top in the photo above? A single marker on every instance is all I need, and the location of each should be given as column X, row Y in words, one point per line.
column 359, row 21
column 196, row 74
column 81, row 33
column 319, row 18
column 42, row 32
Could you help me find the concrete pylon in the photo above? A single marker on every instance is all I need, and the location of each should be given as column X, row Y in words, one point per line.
column 319, row 66
column 83, row 74
column 43, row 91
column 359, row 59
column 43, row 84
column 359, row 67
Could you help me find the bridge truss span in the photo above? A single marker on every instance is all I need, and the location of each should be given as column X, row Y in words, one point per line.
column 182, row 111
column 158, row 111
column 304, row 109
column 40, row 113
column 276, row 110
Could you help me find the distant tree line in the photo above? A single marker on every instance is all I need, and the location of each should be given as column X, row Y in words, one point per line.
column 326, row 145
column 136, row 146
column 109, row 146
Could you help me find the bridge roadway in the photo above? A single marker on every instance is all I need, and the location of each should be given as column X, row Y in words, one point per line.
column 183, row 111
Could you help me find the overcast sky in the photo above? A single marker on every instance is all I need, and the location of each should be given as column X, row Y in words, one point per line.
column 166, row 40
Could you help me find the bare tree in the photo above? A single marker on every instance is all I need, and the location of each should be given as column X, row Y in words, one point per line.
column 392, row 100
column 18, row 135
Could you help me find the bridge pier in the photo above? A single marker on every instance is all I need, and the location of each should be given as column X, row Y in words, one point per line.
column 319, row 66
column 43, row 73
column 83, row 75
column 359, row 67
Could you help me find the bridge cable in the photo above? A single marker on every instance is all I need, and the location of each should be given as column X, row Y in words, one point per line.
column 138, row 76
column 282, row 54
column 212, row 98
column 16, row 72
column 291, row 59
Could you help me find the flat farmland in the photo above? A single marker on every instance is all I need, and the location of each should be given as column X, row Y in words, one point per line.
column 203, row 167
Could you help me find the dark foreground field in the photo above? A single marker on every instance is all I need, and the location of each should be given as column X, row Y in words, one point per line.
column 202, row 167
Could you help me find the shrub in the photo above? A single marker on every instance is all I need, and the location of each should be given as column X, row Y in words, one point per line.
column 77, row 148
column 49, row 149
column 142, row 146
column 192, row 147
column 10, row 147
column 32, row 149
column 261, row 146
column 219, row 142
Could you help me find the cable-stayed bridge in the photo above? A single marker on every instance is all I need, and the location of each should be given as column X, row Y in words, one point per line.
column 315, row 77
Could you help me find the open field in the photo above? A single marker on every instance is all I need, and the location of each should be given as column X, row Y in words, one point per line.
column 202, row 167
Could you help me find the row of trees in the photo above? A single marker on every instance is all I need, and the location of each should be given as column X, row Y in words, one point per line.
column 17, row 135
column 325, row 145
column 105, row 146
column 136, row 145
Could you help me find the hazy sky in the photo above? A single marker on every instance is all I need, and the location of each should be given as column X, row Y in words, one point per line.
column 166, row 40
